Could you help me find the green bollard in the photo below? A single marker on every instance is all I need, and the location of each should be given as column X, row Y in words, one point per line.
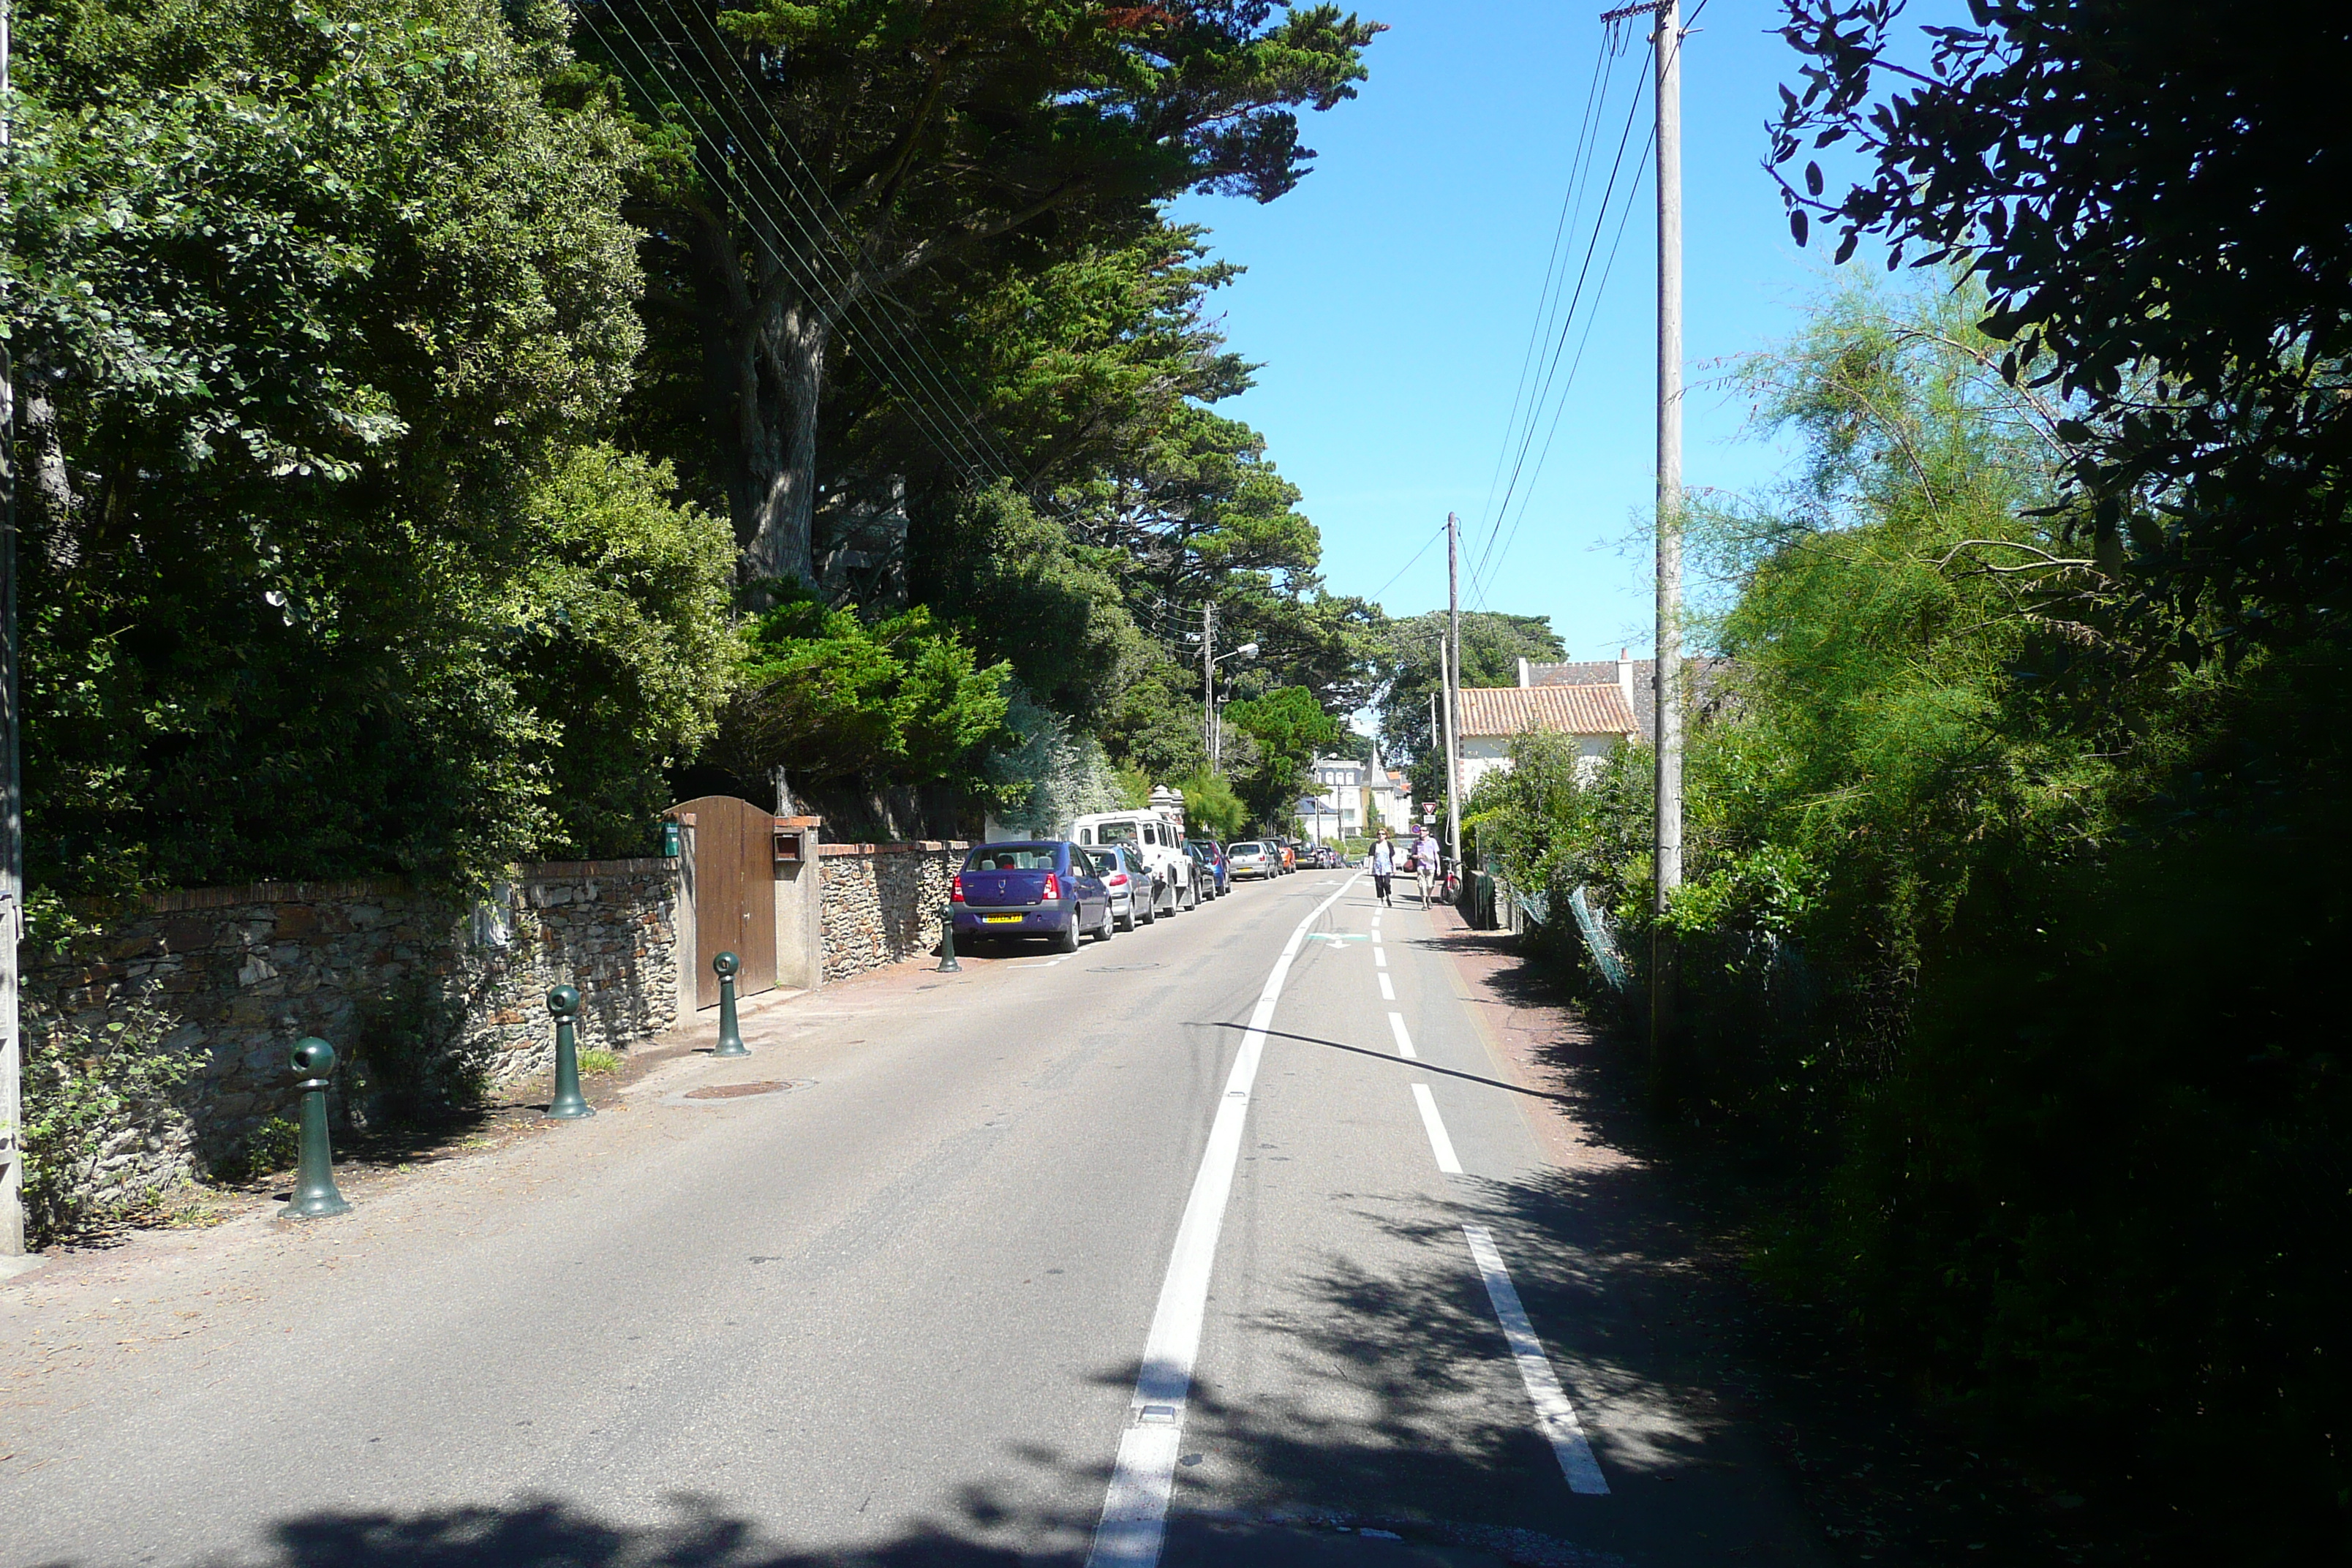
column 731, row 1037
column 315, row 1196
column 947, row 965
column 569, row 1104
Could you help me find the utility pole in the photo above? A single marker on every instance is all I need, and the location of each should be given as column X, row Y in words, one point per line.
column 1452, row 681
column 12, row 778
column 1209, row 682
column 1666, row 838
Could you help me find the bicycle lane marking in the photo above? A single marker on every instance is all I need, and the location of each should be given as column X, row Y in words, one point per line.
column 1134, row 1521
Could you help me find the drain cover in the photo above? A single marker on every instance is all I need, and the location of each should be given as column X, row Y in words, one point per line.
column 733, row 1090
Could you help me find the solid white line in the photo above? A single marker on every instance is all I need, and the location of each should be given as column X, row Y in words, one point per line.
column 1379, row 958
column 1388, row 991
column 1404, row 1040
column 1439, row 1143
column 1554, row 1416
column 1135, row 1510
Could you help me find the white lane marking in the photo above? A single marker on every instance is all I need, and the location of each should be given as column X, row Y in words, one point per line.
column 1439, row 1143
column 1135, row 1509
column 1404, row 1040
column 1388, row 991
column 1379, row 958
column 1554, row 1416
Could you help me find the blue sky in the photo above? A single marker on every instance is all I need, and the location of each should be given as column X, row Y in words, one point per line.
column 1390, row 298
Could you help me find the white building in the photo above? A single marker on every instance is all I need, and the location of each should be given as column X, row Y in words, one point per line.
column 1598, row 718
column 1336, row 808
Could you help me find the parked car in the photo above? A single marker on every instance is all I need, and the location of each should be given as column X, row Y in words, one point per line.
column 1216, row 854
column 1289, row 855
column 1129, row 881
column 1204, row 870
column 1250, row 858
column 1154, row 839
column 1034, row 888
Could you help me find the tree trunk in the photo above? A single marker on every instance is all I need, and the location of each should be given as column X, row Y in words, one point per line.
column 792, row 353
column 763, row 369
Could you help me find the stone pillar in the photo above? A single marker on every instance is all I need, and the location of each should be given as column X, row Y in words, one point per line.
column 799, row 905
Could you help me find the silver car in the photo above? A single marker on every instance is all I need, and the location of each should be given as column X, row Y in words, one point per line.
column 1251, row 859
column 1123, row 873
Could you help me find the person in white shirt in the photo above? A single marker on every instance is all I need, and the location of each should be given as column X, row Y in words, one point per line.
column 1383, row 866
column 1424, row 863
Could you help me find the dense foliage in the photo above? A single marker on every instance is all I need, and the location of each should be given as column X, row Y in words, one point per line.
column 2019, row 972
column 315, row 316
column 907, row 162
column 2153, row 194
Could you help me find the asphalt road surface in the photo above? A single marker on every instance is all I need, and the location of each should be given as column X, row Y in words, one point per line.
column 1228, row 1241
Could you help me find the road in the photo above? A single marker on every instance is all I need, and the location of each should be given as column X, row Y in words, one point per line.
column 1230, row 1241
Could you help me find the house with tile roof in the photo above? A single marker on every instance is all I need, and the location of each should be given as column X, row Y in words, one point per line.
column 1598, row 718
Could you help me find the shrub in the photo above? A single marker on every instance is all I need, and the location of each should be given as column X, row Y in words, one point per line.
column 94, row 1100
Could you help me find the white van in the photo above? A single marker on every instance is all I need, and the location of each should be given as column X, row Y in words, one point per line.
column 1158, row 841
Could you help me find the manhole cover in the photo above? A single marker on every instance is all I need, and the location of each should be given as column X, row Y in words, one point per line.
column 1123, row 968
column 733, row 1090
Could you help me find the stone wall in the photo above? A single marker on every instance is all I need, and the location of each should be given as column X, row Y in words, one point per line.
column 239, row 973
column 882, row 901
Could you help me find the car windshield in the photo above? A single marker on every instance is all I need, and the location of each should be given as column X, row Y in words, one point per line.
column 1011, row 857
column 1115, row 832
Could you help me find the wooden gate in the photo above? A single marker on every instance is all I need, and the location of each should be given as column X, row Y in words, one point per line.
column 734, row 893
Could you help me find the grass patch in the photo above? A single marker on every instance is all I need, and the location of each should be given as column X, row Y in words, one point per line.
column 595, row 1061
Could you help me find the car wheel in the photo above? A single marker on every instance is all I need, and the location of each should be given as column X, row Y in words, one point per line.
column 1149, row 909
column 1126, row 921
column 1103, row 928
column 1067, row 938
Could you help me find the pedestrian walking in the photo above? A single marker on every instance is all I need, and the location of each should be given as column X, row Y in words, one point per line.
column 1425, row 861
column 1383, row 866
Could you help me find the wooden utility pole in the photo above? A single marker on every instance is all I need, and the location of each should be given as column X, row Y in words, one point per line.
column 1451, row 666
column 1666, row 738
column 11, row 782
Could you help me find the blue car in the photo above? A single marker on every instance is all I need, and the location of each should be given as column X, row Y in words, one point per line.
column 1220, row 874
column 1046, row 887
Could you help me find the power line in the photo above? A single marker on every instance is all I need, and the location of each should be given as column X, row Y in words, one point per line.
column 769, row 232
column 1547, row 297
column 1374, row 596
column 924, row 360
column 1561, row 407
column 1568, row 321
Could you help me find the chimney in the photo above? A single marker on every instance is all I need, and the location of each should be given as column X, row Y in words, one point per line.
column 1524, row 681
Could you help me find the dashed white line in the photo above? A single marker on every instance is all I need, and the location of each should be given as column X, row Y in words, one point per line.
column 1404, row 1040
column 1388, row 991
column 1379, row 957
column 1135, row 1509
column 1439, row 1143
column 1554, row 1414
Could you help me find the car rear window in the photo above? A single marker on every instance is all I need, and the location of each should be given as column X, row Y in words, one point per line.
column 1247, row 848
column 1114, row 832
column 1011, row 857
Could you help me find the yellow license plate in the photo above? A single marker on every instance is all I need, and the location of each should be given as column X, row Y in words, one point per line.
column 999, row 919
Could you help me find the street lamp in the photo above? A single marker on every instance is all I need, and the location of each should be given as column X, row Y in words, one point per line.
column 1215, row 731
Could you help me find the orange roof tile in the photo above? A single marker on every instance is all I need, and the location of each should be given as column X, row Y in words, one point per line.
column 1557, row 709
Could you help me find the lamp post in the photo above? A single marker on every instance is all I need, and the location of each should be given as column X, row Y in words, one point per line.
column 1209, row 701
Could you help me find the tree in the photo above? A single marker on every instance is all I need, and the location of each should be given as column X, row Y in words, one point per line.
column 1289, row 727
column 827, row 696
column 310, row 307
column 2152, row 195
column 927, row 149
column 1407, row 670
